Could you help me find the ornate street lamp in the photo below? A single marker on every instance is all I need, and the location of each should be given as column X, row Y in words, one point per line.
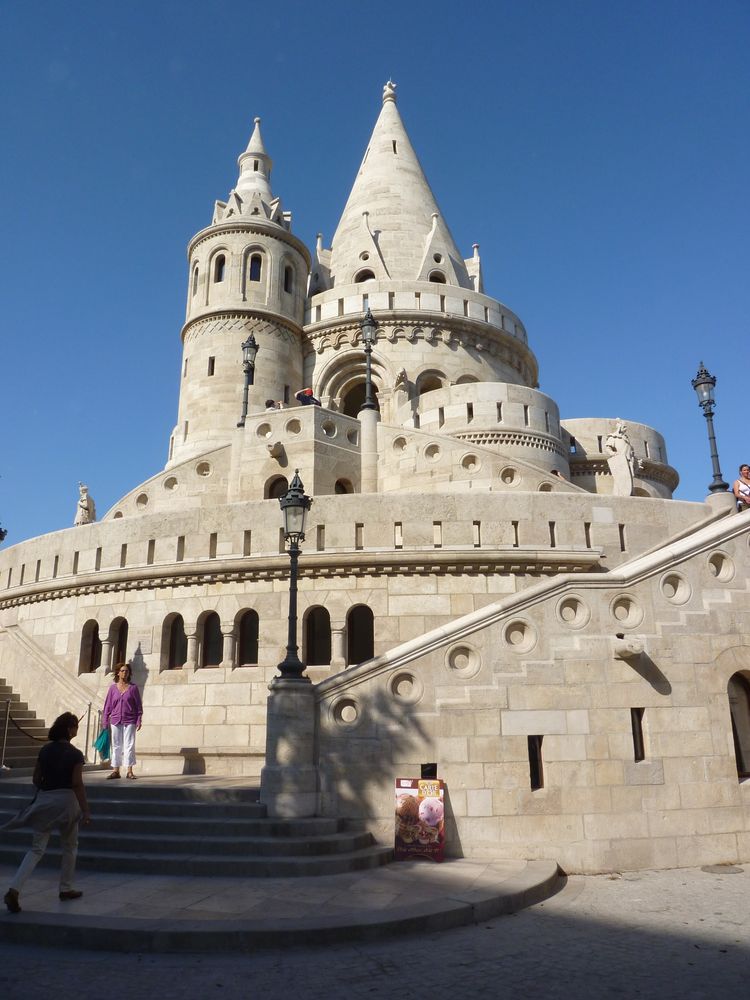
column 249, row 351
column 704, row 383
column 294, row 507
column 369, row 336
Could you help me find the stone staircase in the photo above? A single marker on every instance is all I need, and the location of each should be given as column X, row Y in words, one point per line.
column 20, row 749
column 198, row 827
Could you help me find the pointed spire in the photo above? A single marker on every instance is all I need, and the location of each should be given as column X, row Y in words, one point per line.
column 403, row 216
column 255, row 168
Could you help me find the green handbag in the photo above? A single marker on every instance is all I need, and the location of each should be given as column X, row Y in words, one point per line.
column 101, row 744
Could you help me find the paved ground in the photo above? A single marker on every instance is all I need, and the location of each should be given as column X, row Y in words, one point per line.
column 677, row 935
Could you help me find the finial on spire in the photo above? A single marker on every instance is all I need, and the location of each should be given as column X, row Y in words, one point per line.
column 256, row 121
column 389, row 92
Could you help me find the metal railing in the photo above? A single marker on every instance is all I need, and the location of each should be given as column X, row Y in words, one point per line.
column 37, row 739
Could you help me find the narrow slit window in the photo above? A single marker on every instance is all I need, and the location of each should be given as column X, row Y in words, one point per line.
column 573, row 446
column 486, row 314
column 320, row 538
column 442, row 303
column 391, row 300
column 499, row 413
column 180, row 554
column 514, row 525
column 437, row 534
column 476, row 530
column 212, row 543
column 75, row 563
column 256, row 267
column 587, row 533
column 219, row 267
column 395, row 150
column 441, row 416
column 418, row 300
column 247, row 543
column 636, row 724
column 123, row 555
column 359, row 530
column 599, row 442
column 469, row 412
column 287, row 394
column 10, row 575
column 546, row 421
column 398, row 535
column 318, row 313
column 185, row 430
column 525, row 414
column 623, row 545
column 151, row 551
column 211, row 366
column 466, row 307
column 288, row 279
column 195, row 279
column 97, row 561
column 23, row 573
column 39, row 567
column 552, row 535
column 536, row 765
column 184, row 368
column 55, row 567
column 171, row 447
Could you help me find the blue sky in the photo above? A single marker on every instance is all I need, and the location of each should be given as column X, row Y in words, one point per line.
column 598, row 152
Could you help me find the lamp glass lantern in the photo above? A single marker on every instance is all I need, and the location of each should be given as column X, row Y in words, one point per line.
column 369, row 329
column 294, row 507
column 249, row 350
column 704, row 384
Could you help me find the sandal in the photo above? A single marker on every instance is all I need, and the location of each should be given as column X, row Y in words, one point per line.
column 131, row 776
column 11, row 901
column 112, row 777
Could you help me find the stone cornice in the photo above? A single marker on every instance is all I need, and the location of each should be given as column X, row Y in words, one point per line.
column 655, row 471
column 251, row 313
column 257, row 225
column 470, row 333
column 315, row 565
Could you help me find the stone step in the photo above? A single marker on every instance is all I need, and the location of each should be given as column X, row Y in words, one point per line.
column 244, row 865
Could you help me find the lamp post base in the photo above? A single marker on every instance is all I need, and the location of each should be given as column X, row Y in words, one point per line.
column 289, row 780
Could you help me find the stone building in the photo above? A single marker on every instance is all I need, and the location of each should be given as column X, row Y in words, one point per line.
column 483, row 584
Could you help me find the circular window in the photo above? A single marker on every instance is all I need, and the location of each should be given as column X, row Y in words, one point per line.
column 432, row 452
column 292, row 427
column 721, row 566
column 117, row 513
column 329, row 428
column 345, row 712
column 364, row 255
column 264, row 431
column 399, row 444
column 471, row 463
column 626, row 611
column 520, row 635
column 573, row 612
column 352, row 436
column 203, row 469
column 676, row 588
column 438, row 258
column 141, row 501
column 545, row 487
column 464, row 661
column 406, row 687
column 508, row 475
column 170, row 483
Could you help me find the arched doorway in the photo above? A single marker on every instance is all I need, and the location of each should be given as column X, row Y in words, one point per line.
column 317, row 637
column 360, row 634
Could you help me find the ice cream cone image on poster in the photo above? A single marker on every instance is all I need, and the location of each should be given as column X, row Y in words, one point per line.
column 420, row 819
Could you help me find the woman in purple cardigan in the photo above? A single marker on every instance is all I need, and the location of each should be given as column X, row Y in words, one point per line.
column 122, row 712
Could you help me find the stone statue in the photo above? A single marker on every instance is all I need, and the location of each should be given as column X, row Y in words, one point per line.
column 622, row 461
column 86, row 509
column 402, row 380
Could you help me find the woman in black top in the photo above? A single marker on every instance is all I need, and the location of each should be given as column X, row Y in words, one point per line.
column 60, row 804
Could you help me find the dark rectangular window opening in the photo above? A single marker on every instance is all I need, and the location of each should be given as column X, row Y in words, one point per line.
column 10, row 576
column 55, row 568
column 587, row 533
column 180, row 554
column 477, row 530
column 398, row 535
column 211, row 366
column 636, row 724
column 599, row 442
column 441, row 416
column 212, row 543
column 123, row 555
column 97, row 561
column 525, row 415
column 23, row 573
column 573, row 446
column 391, row 300
column 75, row 563
column 515, row 533
column 359, row 530
column 499, row 413
column 39, row 569
column 247, row 543
column 469, row 412
column 552, row 538
column 287, row 394
column 536, row 768
column 437, row 534
column 621, row 529
column 320, row 538
column 151, row 551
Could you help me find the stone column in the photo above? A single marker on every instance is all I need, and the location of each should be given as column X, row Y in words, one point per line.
column 229, row 646
column 338, row 646
column 105, row 667
column 289, row 780
column 368, row 420
column 191, row 663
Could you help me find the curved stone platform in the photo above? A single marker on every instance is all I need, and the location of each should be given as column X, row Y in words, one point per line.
column 152, row 913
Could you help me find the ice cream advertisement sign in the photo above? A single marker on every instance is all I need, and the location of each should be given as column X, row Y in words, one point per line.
column 420, row 819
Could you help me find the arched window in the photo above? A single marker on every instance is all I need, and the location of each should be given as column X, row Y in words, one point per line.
column 91, row 648
column 119, row 634
column 212, row 644
column 248, row 630
column 360, row 635
column 343, row 486
column 354, row 400
column 317, row 637
column 256, row 266
column 288, row 279
column 195, row 279
column 428, row 383
column 177, row 643
column 438, row 277
column 365, row 275
column 275, row 488
column 466, row 379
column 738, row 691
column 219, row 266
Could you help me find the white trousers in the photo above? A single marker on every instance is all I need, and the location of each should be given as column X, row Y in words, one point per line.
column 69, row 844
column 123, row 745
